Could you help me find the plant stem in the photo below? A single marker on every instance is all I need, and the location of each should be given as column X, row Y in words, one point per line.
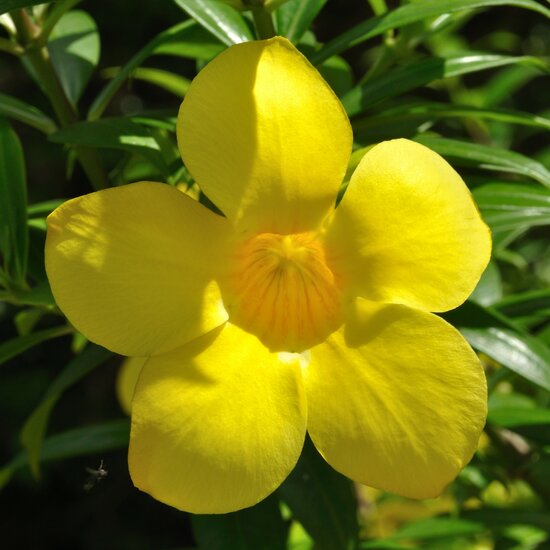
column 10, row 47
column 39, row 59
column 262, row 19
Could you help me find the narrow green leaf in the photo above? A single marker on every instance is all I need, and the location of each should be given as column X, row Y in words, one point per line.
column 514, row 417
column 86, row 440
column 524, row 354
column 525, row 303
column 390, row 123
column 219, row 19
column 18, row 345
column 74, row 48
column 43, row 209
column 506, row 206
column 493, row 518
column 183, row 40
column 486, row 157
column 411, row 13
column 294, row 18
column 14, row 239
column 25, row 113
column 511, row 209
column 494, row 334
column 322, row 500
column 173, row 83
column 489, row 288
column 39, row 295
column 420, row 73
column 34, row 428
column 260, row 526
column 113, row 133
column 439, row 527
column 8, row 5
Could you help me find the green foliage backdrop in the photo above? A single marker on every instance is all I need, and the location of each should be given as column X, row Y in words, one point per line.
column 89, row 93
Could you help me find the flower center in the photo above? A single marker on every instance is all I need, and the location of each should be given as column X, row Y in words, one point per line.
column 283, row 291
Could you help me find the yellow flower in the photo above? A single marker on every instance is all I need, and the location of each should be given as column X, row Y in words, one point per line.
column 287, row 314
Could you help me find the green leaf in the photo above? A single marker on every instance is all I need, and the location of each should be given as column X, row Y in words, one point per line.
column 294, row 18
column 260, row 526
column 525, row 304
column 489, row 288
column 411, row 13
column 439, row 527
column 18, row 345
column 490, row 332
column 173, row 83
column 417, row 74
column 219, row 19
column 495, row 518
column 8, row 5
column 524, row 354
column 39, row 295
column 43, row 209
column 514, row 417
column 25, row 113
column 14, row 239
column 34, row 428
column 86, row 440
column 509, row 206
column 390, row 123
column 486, row 157
column 114, row 133
column 74, row 49
column 183, row 40
column 322, row 500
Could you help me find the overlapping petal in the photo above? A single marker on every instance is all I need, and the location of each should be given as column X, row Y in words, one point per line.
column 218, row 424
column 134, row 267
column 407, row 230
column 265, row 137
column 396, row 399
column 126, row 381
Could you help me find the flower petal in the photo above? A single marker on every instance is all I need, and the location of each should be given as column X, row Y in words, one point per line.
column 133, row 267
column 396, row 400
column 126, row 381
column 265, row 137
column 218, row 424
column 407, row 230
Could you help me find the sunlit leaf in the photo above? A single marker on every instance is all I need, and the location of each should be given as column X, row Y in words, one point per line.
column 171, row 82
column 294, row 17
column 486, row 157
column 28, row 114
column 114, row 133
column 74, row 49
column 219, row 19
column 490, row 332
column 506, row 206
column 439, row 527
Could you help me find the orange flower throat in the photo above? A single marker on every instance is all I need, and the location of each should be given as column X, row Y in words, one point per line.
column 283, row 291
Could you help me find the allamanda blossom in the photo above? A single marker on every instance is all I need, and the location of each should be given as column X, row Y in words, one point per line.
column 286, row 314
